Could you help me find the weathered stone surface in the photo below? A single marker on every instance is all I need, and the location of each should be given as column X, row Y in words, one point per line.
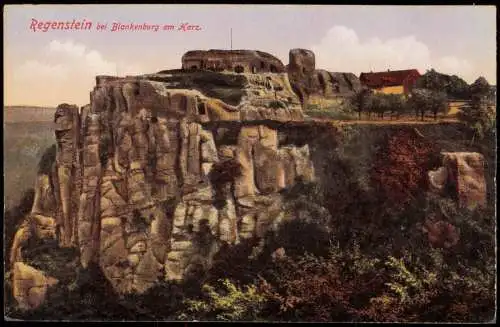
column 269, row 171
column 463, row 174
column 238, row 61
column 134, row 185
column 438, row 179
column 245, row 184
column 30, row 285
column 308, row 82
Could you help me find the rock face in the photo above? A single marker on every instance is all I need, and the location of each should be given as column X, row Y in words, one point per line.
column 309, row 82
column 237, row 61
column 152, row 178
column 160, row 172
column 462, row 175
column 30, row 285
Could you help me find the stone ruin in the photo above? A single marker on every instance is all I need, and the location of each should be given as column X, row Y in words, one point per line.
column 160, row 171
column 238, row 61
column 309, row 82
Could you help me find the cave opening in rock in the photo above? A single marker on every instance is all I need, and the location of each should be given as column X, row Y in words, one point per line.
column 202, row 109
column 321, row 81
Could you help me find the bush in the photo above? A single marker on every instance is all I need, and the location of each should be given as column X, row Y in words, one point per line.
column 229, row 302
column 277, row 104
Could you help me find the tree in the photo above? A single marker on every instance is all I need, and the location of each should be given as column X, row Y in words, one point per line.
column 423, row 100
column 480, row 87
column 453, row 86
column 396, row 104
column 378, row 104
column 360, row 100
column 439, row 103
column 479, row 115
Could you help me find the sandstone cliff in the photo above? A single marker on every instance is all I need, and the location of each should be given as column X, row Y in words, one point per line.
column 161, row 171
column 140, row 183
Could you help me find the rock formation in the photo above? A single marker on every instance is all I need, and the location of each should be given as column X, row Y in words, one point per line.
column 30, row 286
column 134, row 183
column 238, row 61
column 309, row 82
column 161, row 171
column 462, row 175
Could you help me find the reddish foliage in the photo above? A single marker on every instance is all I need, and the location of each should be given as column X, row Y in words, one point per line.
column 401, row 166
column 441, row 233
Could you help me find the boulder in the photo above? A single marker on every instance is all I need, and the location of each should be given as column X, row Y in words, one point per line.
column 30, row 285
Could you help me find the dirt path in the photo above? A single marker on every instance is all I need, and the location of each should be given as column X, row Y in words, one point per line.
column 428, row 121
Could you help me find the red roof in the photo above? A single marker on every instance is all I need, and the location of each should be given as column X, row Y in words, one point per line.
column 389, row 78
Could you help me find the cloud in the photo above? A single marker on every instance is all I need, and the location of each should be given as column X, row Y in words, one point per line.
column 341, row 49
column 65, row 72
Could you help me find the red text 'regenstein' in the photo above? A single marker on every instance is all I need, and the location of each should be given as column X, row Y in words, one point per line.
column 44, row 26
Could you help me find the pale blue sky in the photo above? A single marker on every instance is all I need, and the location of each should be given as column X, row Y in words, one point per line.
column 58, row 66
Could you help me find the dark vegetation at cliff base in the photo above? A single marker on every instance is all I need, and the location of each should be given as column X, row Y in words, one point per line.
column 356, row 250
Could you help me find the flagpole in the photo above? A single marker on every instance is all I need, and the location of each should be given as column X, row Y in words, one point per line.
column 231, row 38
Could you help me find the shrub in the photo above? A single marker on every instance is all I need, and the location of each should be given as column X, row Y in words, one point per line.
column 277, row 104
column 229, row 303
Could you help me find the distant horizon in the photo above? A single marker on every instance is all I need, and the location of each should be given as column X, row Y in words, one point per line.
column 47, row 65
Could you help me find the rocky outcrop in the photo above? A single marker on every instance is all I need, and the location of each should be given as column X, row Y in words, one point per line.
column 309, row 82
column 68, row 168
column 30, row 285
column 462, row 177
column 152, row 179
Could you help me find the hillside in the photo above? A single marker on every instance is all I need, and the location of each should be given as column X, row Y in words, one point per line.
column 17, row 114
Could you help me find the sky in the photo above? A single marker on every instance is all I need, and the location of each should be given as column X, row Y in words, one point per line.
column 56, row 66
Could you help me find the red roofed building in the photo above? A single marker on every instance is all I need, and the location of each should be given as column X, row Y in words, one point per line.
column 391, row 82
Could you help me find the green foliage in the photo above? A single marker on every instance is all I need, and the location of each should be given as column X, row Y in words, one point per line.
column 275, row 104
column 480, row 87
column 361, row 100
column 424, row 100
column 341, row 111
column 406, row 281
column 479, row 114
column 231, row 303
column 379, row 103
column 453, row 86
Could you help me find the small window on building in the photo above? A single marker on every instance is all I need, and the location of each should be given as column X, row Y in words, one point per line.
column 273, row 69
column 262, row 65
column 239, row 69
